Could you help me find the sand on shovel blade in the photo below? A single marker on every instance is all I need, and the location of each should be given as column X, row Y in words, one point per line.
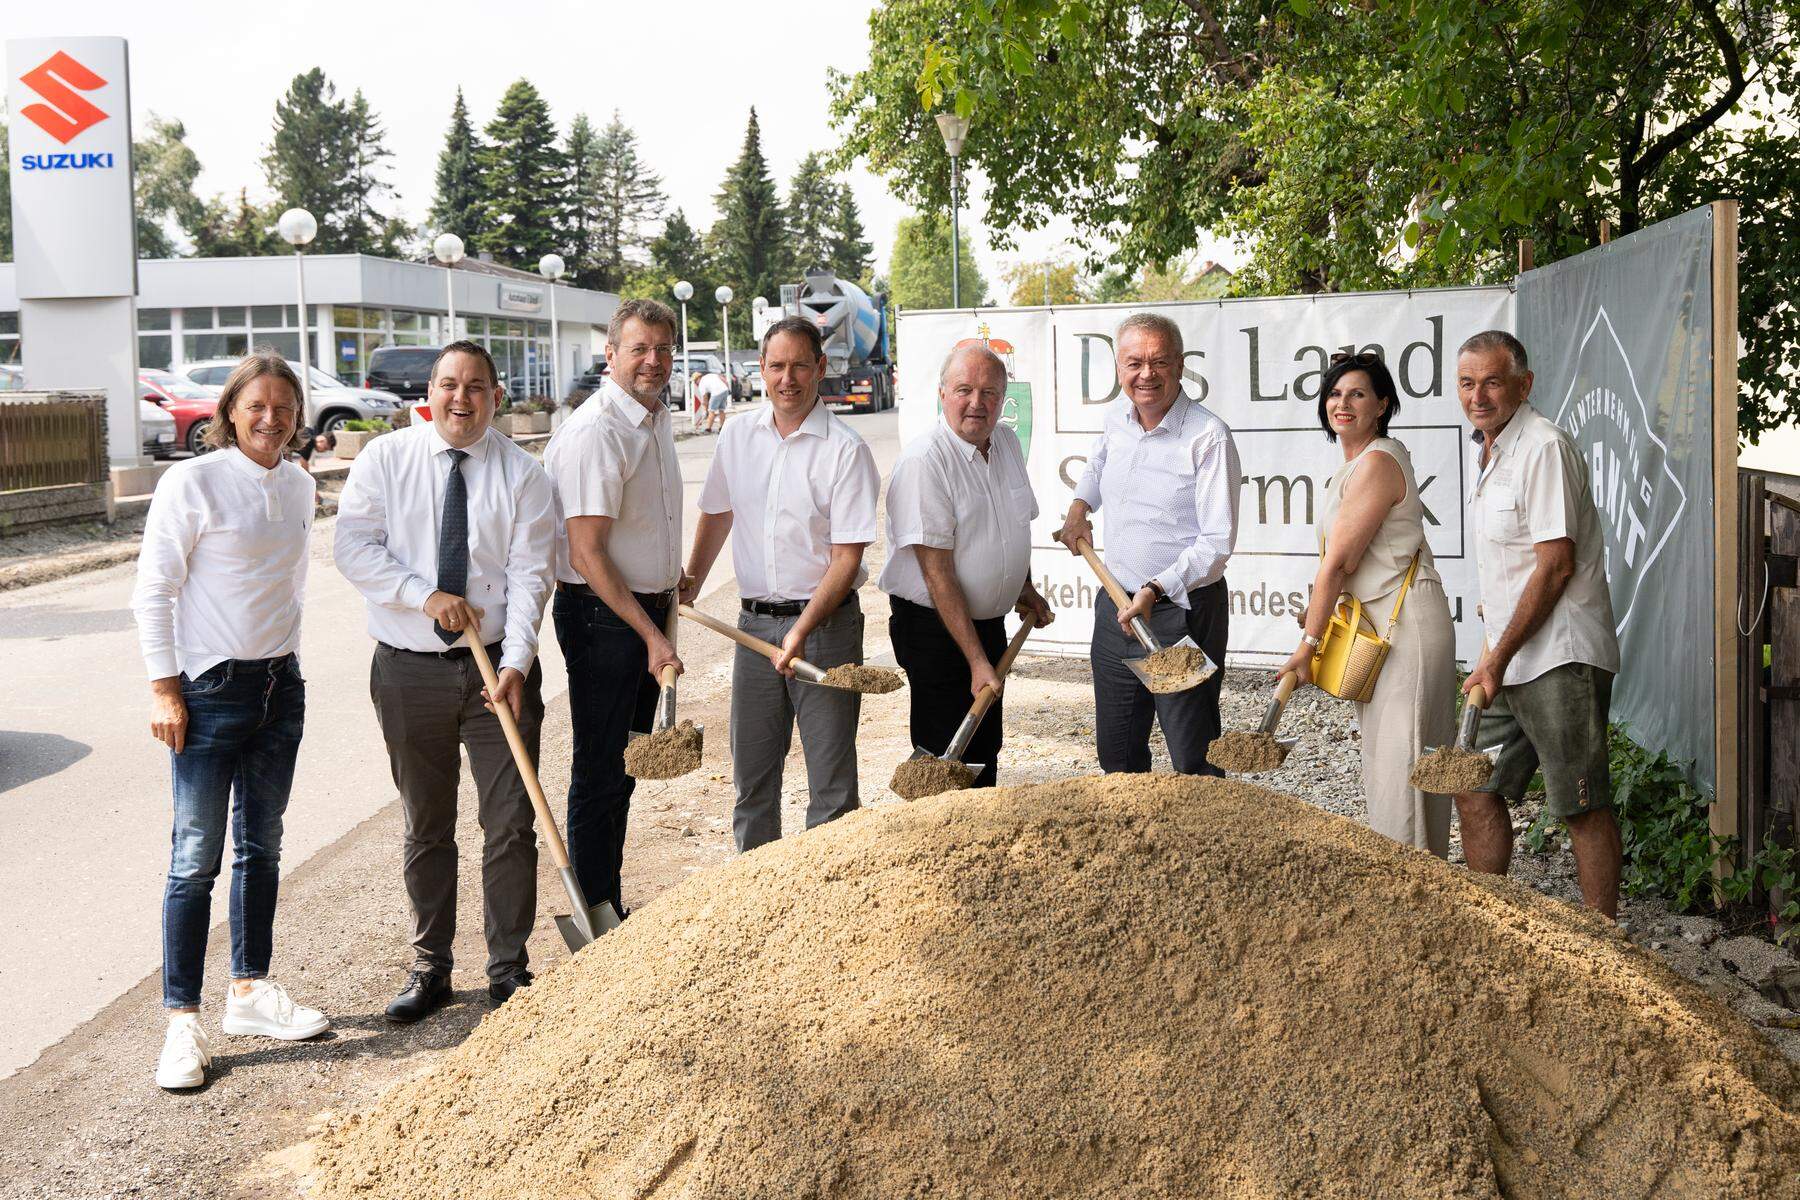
column 1450, row 769
column 664, row 754
column 1246, row 753
column 1172, row 667
column 917, row 778
column 1143, row 986
column 874, row 681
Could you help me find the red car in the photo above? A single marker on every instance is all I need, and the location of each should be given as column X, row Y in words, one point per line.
column 191, row 405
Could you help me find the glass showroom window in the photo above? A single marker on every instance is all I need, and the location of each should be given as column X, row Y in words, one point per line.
column 9, row 337
column 155, row 348
column 206, row 335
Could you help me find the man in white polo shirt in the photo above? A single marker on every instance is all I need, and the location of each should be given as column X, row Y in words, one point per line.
column 618, row 488
column 445, row 527
column 1552, row 650
column 959, row 515
column 796, row 490
column 1165, row 470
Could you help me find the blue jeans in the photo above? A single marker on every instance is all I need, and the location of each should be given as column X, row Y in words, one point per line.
column 244, row 723
column 610, row 694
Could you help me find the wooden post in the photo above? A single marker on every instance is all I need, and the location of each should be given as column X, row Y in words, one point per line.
column 1605, row 231
column 1524, row 255
column 1724, row 816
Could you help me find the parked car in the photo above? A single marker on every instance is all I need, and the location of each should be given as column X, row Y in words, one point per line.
column 746, row 380
column 403, row 370
column 333, row 401
column 191, row 405
column 158, row 430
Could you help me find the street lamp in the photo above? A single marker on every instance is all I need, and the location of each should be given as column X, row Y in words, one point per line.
column 684, row 291
column 448, row 249
column 723, row 296
column 954, row 129
column 551, row 267
column 298, row 227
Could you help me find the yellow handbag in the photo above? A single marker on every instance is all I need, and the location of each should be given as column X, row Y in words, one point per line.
column 1349, row 657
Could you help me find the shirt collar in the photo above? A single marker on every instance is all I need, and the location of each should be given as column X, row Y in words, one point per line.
column 1173, row 421
column 1515, row 429
column 439, row 445
column 816, row 424
column 626, row 403
column 957, row 443
column 248, row 466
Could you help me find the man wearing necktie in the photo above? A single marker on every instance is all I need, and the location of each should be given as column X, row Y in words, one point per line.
column 447, row 527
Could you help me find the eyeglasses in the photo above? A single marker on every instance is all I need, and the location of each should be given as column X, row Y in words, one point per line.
column 1362, row 358
column 647, row 351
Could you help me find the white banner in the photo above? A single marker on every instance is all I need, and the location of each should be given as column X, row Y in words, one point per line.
column 1257, row 363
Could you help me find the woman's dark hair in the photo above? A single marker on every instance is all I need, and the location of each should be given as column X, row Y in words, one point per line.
column 1379, row 380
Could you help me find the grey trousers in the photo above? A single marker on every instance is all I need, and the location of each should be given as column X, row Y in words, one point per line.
column 427, row 706
column 1123, row 706
column 765, row 706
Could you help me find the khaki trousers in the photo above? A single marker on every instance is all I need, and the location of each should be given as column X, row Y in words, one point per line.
column 1414, row 708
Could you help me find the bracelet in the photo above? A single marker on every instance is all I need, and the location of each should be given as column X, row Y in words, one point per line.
column 1310, row 640
column 1157, row 589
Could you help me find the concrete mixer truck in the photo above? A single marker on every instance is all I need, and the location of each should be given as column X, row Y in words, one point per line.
column 859, row 371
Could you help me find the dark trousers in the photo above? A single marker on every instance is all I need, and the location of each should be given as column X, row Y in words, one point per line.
column 937, row 681
column 245, row 717
column 428, row 705
column 1123, row 706
column 610, row 694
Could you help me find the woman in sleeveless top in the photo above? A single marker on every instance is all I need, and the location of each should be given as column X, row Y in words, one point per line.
column 1370, row 528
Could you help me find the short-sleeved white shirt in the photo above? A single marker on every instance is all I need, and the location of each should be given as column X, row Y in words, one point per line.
column 614, row 458
column 944, row 494
column 713, row 385
column 1535, row 488
column 791, row 499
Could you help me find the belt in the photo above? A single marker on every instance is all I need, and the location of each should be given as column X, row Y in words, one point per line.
column 457, row 651
column 787, row 608
column 649, row 600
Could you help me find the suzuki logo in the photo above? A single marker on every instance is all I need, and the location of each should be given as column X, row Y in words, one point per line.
column 56, row 79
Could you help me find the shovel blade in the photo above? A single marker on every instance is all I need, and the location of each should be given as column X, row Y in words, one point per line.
column 580, row 931
column 1164, row 685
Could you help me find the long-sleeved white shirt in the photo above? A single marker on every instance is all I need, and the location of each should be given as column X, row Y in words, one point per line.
column 1170, row 496
column 223, row 566
column 387, row 534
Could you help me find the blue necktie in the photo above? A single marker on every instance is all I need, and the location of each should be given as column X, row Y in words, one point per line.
column 453, row 540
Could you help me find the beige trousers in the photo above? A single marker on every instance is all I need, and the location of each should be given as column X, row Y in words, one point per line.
column 1414, row 708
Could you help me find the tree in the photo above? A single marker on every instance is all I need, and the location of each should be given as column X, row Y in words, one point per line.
column 523, row 181
column 851, row 256
column 365, row 229
column 1045, row 281
column 581, row 154
column 311, row 157
column 1357, row 143
column 165, row 169
column 456, row 202
column 750, row 237
column 812, row 211
column 1157, row 283
column 919, row 268
column 679, row 253
column 625, row 197
column 240, row 230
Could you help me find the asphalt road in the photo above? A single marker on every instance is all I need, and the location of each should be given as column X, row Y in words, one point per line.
column 84, row 792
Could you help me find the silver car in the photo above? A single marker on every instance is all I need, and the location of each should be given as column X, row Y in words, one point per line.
column 333, row 402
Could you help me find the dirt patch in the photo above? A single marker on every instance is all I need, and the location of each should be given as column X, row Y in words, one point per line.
column 1246, row 753
column 917, row 778
column 1451, row 769
column 665, row 754
column 1233, row 994
column 873, row 681
column 1173, row 667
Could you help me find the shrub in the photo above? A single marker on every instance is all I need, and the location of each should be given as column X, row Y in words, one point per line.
column 366, row 426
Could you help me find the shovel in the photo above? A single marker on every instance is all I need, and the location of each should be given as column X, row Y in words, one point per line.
column 1161, row 684
column 586, row 924
column 959, row 741
column 1453, row 778
column 665, row 705
column 1247, row 753
column 804, row 671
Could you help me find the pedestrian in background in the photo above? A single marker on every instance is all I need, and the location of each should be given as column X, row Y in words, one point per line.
column 220, row 582
column 449, row 527
column 697, row 407
column 718, row 400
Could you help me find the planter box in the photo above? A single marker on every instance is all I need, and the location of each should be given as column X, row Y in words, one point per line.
column 513, row 424
column 540, row 422
column 351, row 441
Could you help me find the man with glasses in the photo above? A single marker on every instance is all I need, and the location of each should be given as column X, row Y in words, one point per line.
column 1166, row 471
column 618, row 563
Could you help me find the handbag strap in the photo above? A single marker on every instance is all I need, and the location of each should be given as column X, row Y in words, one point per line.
column 1394, row 619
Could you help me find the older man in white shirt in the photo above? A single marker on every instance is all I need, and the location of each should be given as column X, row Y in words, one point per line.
column 959, row 513
column 1166, row 472
column 1552, row 650
column 796, row 490
column 447, row 527
column 618, row 489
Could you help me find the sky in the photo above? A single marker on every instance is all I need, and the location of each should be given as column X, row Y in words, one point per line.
column 683, row 75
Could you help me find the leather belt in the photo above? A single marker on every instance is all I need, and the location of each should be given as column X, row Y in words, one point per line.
column 457, row 651
column 787, row 608
column 649, row 600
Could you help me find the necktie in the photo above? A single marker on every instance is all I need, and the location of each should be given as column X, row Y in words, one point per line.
column 453, row 540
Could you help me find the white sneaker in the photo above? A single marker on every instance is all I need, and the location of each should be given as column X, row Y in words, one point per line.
column 185, row 1054
column 268, row 1011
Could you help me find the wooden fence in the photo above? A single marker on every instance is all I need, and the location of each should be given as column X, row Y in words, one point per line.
column 1769, row 679
column 53, row 440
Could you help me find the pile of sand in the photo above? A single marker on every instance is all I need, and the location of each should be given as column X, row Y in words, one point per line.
column 858, row 678
column 1173, row 668
column 1246, row 753
column 664, row 754
column 1451, row 769
column 1144, row 986
column 917, row 778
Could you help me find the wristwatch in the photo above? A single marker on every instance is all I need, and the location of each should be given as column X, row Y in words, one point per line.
column 1310, row 640
column 1158, row 589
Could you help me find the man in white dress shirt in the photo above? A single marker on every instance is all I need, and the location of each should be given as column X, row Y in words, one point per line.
column 618, row 488
column 445, row 527
column 796, row 490
column 959, row 513
column 1166, row 472
column 1552, row 650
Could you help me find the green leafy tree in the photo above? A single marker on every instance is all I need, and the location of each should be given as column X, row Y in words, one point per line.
column 1157, row 283
column 1044, row 281
column 677, row 253
column 523, row 181
column 850, row 255
column 626, row 196
column 237, row 229
column 456, row 201
column 812, row 211
column 750, row 241
column 1374, row 143
column 919, row 268
column 165, row 169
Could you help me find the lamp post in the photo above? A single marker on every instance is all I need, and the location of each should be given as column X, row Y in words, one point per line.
column 684, row 291
column 723, row 296
column 297, row 227
column 551, row 267
column 448, row 249
column 954, row 129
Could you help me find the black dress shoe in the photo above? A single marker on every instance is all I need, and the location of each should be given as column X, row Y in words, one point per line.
column 501, row 990
column 424, row 991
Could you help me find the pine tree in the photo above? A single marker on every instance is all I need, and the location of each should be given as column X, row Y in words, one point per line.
column 627, row 195
column 581, row 153
column 678, row 252
column 851, row 256
column 365, row 229
column 812, row 204
column 455, row 208
column 523, row 180
column 240, row 230
column 750, row 237
column 311, row 158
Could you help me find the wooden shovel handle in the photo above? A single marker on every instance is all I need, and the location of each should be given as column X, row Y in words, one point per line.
column 751, row 641
column 1107, row 579
column 1284, row 688
column 559, row 853
column 1478, row 697
column 988, row 695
